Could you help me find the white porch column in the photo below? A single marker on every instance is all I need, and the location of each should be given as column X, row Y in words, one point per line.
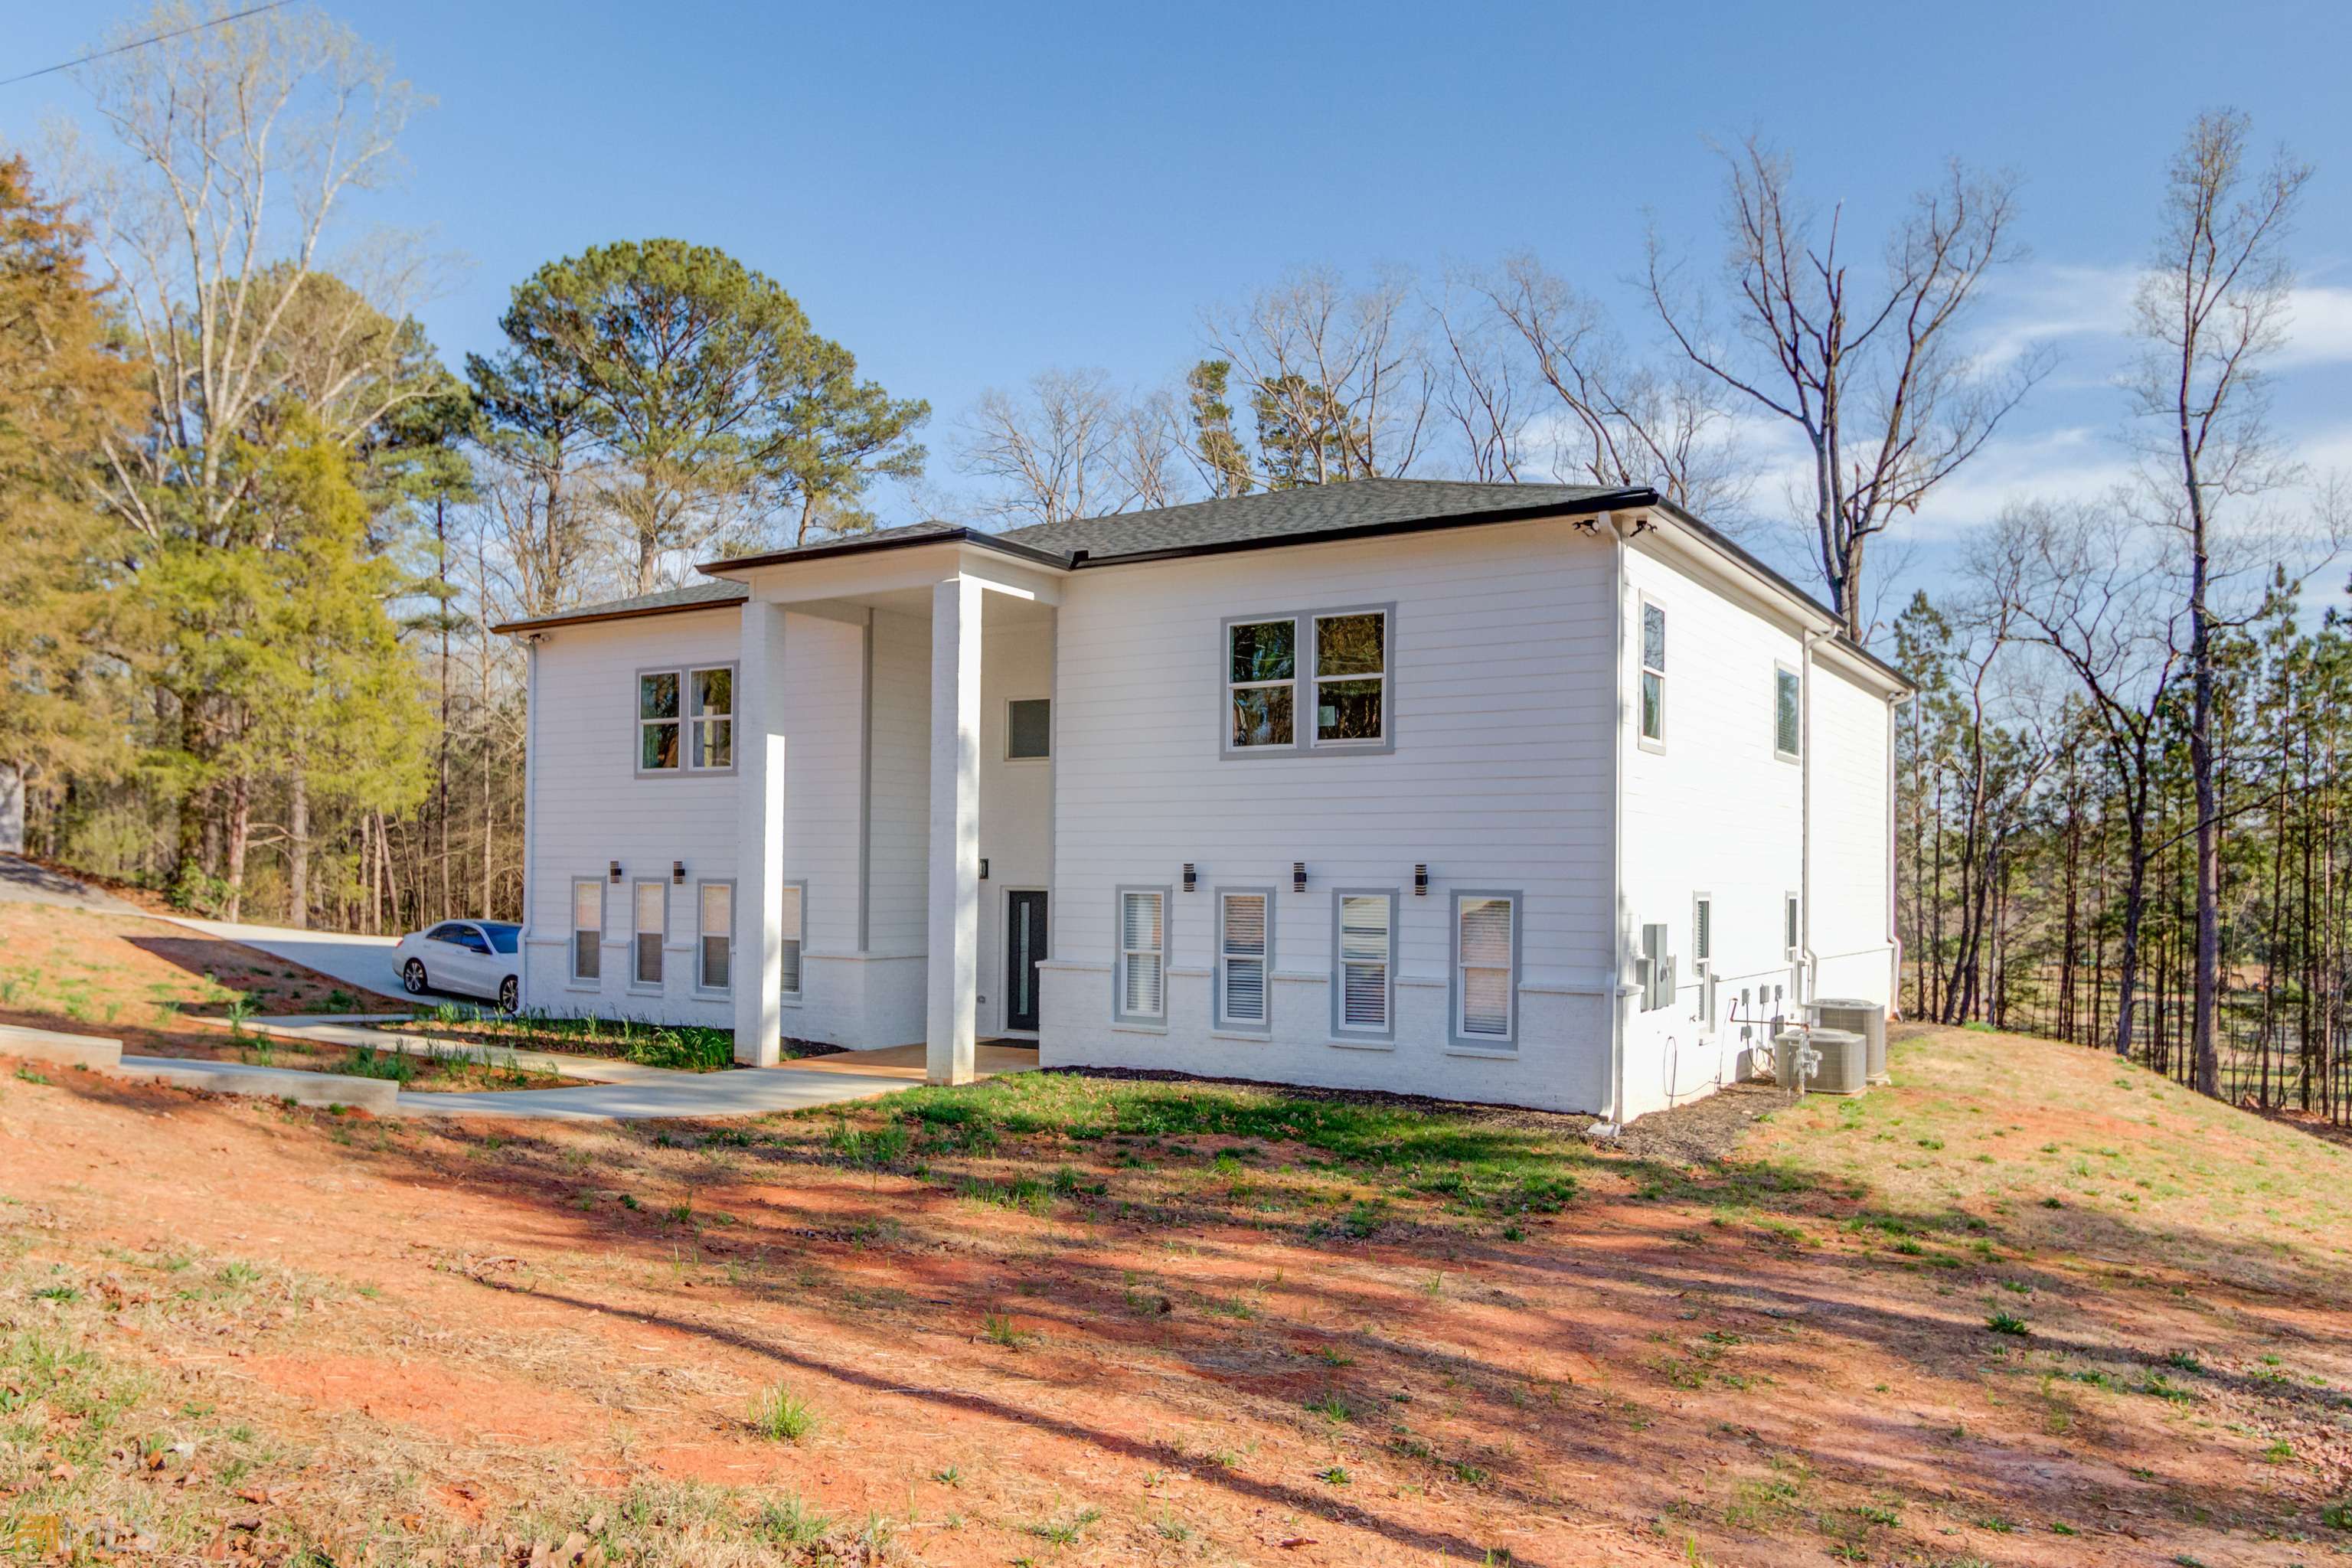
column 954, row 944
column 759, row 964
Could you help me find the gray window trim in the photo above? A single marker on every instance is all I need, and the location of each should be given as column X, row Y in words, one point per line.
column 1703, row 953
column 604, row 919
column 685, row 672
column 1454, row 1033
column 648, row 987
column 1641, row 667
column 1303, row 680
column 798, row 887
column 1047, row 755
column 700, row 987
column 1349, row 1033
column 1217, row 973
column 1118, row 953
column 1791, row 931
column 1780, row 668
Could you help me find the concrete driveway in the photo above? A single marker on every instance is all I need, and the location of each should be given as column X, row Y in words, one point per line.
column 364, row 962
column 22, row 882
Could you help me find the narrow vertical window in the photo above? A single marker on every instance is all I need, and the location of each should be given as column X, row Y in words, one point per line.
column 1788, row 727
column 1653, row 672
column 790, row 922
column 1351, row 677
column 652, row 930
column 657, row 738
column 1789, row 921
column 714, row 718
column 715, row 929
column 1142, row 954
column 587, row 929
column 1703, row 928
column 1242, row 956
column 1486, row 958
column 1365, row 957
column 1262, row 682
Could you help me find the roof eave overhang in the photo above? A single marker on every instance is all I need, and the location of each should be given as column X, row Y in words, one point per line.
column 1028, row 555
column 548, row 623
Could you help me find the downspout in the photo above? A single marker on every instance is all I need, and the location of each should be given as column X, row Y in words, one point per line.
column 1618, row 535
column 1805, row 818
column 529, row 802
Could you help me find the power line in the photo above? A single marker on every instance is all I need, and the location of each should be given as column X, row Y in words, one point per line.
column 143, row 43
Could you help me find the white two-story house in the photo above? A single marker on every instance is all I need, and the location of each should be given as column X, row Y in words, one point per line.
column 1537, row 794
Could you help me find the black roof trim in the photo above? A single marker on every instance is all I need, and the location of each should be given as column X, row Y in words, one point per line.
column 1599, row 503
column 893, row 540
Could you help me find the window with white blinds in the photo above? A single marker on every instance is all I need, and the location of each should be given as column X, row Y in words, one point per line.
column 587, row 929
column 1142, row 977
column 1245, row 954
column 1485, row 968
column 795, row 894
column 652, row 928
column 715, row 933
column 1364, row 964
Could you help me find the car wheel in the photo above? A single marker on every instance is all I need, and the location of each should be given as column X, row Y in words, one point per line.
column 411, row 977
column 509, row 997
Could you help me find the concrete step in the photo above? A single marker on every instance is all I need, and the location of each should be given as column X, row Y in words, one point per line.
column 66, row 1050
column 378, row 1096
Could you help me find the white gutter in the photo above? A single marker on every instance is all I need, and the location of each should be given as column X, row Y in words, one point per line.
column 1894, row 869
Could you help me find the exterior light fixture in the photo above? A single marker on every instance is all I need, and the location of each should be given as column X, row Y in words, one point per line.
column 984, row 868
column 617, row 872
column 1421, row 881
column 1191, row 879
column 1298, row 876
column 677, row 872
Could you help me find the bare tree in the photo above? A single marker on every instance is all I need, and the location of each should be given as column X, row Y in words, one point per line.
column 1067, row 449
column 2211, row 307
column 1479, row 389
column 1338, row 380
column 2096, row 587
column 1874, row 380
column 1622, row 423
column 244, row 139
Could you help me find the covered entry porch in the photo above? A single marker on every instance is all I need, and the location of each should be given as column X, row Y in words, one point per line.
column 893, row 795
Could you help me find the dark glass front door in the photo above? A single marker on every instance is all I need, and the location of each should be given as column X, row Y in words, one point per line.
column 1024, row 948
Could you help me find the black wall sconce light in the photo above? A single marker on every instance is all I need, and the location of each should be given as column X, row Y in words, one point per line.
column 617, row 872
column 677, row 872
column 1421, row 881
column 1191, row 879
column 984, row 868
column 1298, row 876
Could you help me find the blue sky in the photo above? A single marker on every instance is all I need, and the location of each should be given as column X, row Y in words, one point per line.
column 967, row 195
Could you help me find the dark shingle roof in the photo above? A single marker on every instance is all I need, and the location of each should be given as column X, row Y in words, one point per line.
column 693, row 596
column 1299, row 513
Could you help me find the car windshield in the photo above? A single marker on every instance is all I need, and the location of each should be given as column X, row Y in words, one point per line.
column 504, row 938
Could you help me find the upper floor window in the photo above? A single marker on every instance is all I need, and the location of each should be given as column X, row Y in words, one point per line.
column 686, row 719
column 1332, row 663
column 1787, row 727
column 1653, row 672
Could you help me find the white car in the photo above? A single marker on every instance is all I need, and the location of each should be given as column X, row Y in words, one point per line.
column 471, row 958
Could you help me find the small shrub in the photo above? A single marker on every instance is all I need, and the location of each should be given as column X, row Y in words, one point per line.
column 2007, row 1323
column 778, row 1416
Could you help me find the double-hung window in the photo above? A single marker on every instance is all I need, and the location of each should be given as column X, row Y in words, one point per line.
column 1244, row 954
column 652, row 931
column 792, row 919
column 686, row 719
column 1485, row 969
column 1141, row 980
column 1315, row 681
column 1654, row 673
column 1363, row 954
column 715, row 933
column 1262, row 683
column 1788, row 723
column 587, row 928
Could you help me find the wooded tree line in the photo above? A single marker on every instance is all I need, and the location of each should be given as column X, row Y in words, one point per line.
column 265, row 525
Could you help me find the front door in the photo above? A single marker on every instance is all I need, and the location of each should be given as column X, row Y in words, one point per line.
column 1024, row 949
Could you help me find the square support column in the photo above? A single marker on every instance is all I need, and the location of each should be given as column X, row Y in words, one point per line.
column 759, row 965
column 954, row 946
